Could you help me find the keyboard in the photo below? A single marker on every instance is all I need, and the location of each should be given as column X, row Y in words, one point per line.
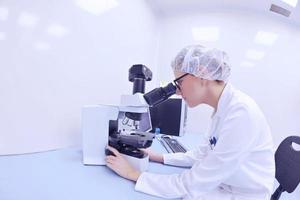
column 172, row 145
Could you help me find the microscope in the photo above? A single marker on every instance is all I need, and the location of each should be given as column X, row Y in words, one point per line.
column 125, row 127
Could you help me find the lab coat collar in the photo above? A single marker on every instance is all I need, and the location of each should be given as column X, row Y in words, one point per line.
column 223, row 100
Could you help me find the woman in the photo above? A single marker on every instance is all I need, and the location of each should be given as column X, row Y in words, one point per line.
column 236, row 163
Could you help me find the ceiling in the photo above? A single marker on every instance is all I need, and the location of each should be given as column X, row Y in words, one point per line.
column 173, row 7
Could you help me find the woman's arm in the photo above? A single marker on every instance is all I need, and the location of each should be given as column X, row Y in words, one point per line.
column 154, row 156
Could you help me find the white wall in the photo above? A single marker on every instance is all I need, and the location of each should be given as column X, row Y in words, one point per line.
column 57, row 57
column 272, row 81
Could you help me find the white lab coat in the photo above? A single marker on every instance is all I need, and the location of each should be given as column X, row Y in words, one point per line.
column 240, row 166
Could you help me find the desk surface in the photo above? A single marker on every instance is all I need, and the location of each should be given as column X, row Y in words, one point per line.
column 60, row 175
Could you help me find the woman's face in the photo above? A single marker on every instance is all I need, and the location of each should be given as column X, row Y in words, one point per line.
column 191, row 89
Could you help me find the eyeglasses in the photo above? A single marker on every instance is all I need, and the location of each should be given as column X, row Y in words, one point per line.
column 177, row 81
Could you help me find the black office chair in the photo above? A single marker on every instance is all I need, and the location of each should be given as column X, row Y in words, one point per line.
column 287, row 161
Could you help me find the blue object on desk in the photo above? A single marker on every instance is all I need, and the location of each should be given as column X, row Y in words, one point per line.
column 157, row 130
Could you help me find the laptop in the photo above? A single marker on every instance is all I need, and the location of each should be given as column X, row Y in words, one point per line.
column 169, row 117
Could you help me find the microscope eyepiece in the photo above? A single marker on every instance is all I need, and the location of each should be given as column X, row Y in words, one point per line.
column 158, row 95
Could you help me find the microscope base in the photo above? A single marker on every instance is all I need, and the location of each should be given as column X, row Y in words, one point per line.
column 140, row 164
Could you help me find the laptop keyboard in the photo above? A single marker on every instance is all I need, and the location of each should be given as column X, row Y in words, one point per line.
column 172, row 145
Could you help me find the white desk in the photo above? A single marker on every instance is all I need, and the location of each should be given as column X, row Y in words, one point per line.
column 60, row 175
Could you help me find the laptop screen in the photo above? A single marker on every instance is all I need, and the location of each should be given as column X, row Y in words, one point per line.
column 169, row 116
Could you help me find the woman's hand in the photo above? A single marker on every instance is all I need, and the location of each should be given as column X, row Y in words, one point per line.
column 121, row 166
column 153, row 156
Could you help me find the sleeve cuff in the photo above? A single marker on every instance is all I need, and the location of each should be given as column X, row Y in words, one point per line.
column 167, row 158
column 139, row 182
